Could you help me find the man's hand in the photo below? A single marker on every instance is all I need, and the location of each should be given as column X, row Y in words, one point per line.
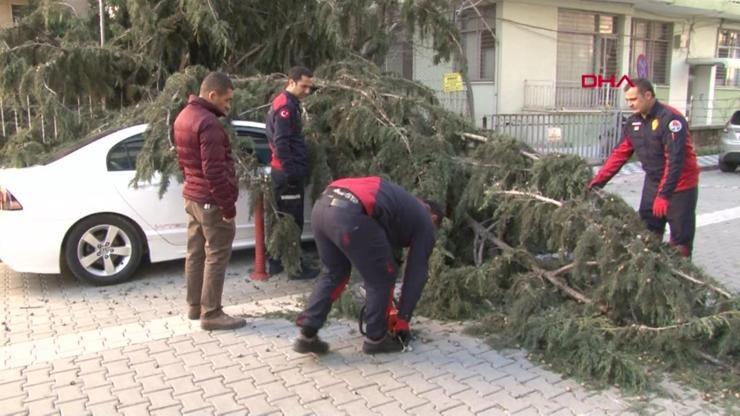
column 660, row 207
column 594, row 183
column 401, row 329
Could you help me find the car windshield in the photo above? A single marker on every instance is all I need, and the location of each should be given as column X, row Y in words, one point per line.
column 71, row 147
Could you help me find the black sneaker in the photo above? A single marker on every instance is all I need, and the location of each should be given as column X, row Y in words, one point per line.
column 306, row 273
column 315, row 345
column 385, row 345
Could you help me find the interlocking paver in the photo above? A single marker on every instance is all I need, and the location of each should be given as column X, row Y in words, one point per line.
column 100, row 394
column 12, row 404
column 72, row 408
column 167, row 411
column 161, row 399
column 504, row 400
column 39, row 391
column 244, row 388
column 41, row 407
column 417, row 383
column 174, row 370
column 130, row 397
column 373, row 396
column 192, row 401
column 323, row 407
column 134, row 410
column 407, row 398
column 183, row 385
column 257, row 405
column 474, row 401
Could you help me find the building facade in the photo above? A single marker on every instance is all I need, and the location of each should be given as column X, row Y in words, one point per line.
column 535, row 56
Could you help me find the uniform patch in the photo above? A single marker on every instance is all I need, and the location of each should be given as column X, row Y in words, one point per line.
column 284, row 113
column 656, row 123
column 674, row 126
column 637, row 123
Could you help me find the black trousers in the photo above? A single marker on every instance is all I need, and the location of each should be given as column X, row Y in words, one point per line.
column 346, row 236
column 289, row 199
column 681, row 215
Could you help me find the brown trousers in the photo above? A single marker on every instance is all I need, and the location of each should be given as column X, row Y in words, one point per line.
column 209, row 249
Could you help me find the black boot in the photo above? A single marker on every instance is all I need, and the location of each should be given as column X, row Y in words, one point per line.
column 308, row 271
column 384, row 345
column 274, row 266
column 314, row 344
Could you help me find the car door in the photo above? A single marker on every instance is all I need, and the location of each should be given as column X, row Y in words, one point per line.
column 245, row 224
column 165, row 215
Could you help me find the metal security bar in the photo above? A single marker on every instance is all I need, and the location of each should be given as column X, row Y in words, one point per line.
column 590, row 135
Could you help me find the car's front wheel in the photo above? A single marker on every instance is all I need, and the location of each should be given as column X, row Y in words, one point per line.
column 727, row 166
column 103, row 249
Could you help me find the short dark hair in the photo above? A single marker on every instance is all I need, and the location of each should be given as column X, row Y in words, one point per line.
column 435, row 207
column 642, row 85
column 216, row 81
column 297, row 72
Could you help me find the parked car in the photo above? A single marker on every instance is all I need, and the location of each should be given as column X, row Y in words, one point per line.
column 79, row 213
column 729, row 150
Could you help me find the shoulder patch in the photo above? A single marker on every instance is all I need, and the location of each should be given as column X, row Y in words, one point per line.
column 284, row 113
column 675, row 126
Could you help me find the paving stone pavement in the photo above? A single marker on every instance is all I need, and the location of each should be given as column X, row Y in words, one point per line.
column 73, row 349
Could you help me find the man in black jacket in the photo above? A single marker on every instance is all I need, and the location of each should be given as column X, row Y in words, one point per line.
column 361, row 222
column 284, row 131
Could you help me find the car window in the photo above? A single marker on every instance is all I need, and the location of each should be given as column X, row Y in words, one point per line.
column 75, row 146
column 123, row 155
column 259, row 144
column 735, row 118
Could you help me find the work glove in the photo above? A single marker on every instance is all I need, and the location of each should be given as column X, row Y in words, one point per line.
column 594, row 183
column 660, row 207
column 401, row 329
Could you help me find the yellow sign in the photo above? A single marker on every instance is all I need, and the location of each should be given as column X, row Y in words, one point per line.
column 655, row 124
column 452, row 82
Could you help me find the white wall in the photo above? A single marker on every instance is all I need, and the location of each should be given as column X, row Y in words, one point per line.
column 524, row 52
column 703, row 38
column 679, row 69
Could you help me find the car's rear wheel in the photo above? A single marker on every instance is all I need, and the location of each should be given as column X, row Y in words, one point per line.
column 103, row 249
column 727, row 166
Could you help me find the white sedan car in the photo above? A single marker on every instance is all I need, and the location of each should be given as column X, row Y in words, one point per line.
column 79, row 212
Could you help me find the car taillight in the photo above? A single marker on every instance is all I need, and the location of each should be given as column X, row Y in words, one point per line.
column 8, row 201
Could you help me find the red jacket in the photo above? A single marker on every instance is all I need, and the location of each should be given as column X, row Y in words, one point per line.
column 204, row 155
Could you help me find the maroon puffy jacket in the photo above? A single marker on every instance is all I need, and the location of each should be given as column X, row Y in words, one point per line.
column 204, row 155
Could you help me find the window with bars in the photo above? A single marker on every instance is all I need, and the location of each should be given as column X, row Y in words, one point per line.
column 728, row 46
column 652, row 40
column 400, row 56
column 479, row 43
column 587, row 44
column 17, row 12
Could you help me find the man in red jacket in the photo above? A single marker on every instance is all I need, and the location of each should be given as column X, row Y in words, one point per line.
column 660, row 137
column 211, row 190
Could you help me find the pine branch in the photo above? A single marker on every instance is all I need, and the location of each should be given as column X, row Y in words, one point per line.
column 551, row 276
column 659, row 329
column 700, row 283
column 484, row 139
column 531, row 195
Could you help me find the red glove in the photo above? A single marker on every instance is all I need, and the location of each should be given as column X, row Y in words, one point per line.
column 660, row 207
column 401, row 330
column 595, row 183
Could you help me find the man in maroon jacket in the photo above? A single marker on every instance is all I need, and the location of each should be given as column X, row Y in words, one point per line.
column 361, row 222
column 660, row 137
column 211, row 190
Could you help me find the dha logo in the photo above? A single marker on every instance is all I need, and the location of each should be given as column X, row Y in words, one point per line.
column 598, row 81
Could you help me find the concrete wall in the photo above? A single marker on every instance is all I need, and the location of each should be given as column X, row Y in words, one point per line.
column 524, row 53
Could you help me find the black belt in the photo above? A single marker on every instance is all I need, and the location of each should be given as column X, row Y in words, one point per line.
column 341, row 198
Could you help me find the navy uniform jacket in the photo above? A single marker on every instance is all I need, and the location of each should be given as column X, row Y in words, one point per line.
column 407, row 223
column 662, row 142
column 285, row 136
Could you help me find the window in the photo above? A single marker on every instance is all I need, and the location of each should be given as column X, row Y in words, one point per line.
column 649, row 50
column 256, row 141
column 728, row 46
column 17, row 12
column 587, row 44
column 400, row 56
column 478, row 42
column 123, row 156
